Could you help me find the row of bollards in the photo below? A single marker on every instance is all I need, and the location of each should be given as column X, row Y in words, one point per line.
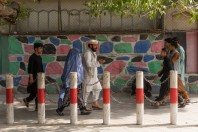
column 106, row 98
column 73, row 98
column 10, row 98
column 140, row 97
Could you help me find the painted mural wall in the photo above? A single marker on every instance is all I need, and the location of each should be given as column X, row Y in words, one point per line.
column 124, row 55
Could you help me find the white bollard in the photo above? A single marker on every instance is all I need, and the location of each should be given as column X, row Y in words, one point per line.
column 73, row 98
column 139, row 98
column 9, row 99
column 173, row 97
column 41, row 97
column 106, row 98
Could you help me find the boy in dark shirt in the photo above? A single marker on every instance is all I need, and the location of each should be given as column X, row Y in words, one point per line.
column 167, row 67
column 34, row 66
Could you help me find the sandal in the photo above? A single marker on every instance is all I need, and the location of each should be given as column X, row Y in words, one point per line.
column 182, row 105
column 87, row 109
column 97, row 107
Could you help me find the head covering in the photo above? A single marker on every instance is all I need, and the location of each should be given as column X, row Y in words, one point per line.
column 92, row 41
column 73, row 63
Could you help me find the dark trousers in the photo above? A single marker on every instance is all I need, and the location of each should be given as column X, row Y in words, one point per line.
column 31, row 97
column 32, row 90
column 147, row 88
column 164, row 90
column 66, row 101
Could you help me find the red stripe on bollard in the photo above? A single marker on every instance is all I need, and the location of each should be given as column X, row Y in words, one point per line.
column 41, row 96
column 106, row 96
column 73, row 95
column 173, row 95
column 9, row 96
column 139, row 95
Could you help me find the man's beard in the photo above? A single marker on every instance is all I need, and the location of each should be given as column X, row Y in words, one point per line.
column 93, row 49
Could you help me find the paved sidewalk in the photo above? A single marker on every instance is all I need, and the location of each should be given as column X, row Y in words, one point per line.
column 123, row 118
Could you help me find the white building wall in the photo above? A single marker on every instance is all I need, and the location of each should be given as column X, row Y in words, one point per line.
column 172, row 22
column 44, row 22
column 74, row 22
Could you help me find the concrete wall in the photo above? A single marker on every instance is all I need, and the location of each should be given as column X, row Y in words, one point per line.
column 72, row 18
column 124, row 55
column 174, row 23
column 53, row 4
column 171, row 21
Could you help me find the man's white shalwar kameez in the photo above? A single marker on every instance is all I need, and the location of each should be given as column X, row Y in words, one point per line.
column 91, row 82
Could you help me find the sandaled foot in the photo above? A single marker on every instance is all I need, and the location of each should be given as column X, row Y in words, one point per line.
column 87, row 109
column 187, row 101
column 96, row 107
column 182, row 105
column 164, row 103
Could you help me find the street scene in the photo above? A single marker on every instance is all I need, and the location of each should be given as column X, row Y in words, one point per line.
column 98, row 65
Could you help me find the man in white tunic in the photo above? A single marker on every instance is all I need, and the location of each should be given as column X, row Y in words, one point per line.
column 91, row 82
column 181, row 51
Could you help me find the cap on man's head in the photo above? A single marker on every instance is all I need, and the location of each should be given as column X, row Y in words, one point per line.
column 92, row 41
column 37, row 45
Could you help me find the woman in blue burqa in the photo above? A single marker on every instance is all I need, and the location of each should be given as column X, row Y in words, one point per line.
column 73, row 63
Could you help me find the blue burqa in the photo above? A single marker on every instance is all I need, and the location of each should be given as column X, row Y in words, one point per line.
column 73, row 63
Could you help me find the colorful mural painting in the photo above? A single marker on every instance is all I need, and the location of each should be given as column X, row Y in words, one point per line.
column 124, row 55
